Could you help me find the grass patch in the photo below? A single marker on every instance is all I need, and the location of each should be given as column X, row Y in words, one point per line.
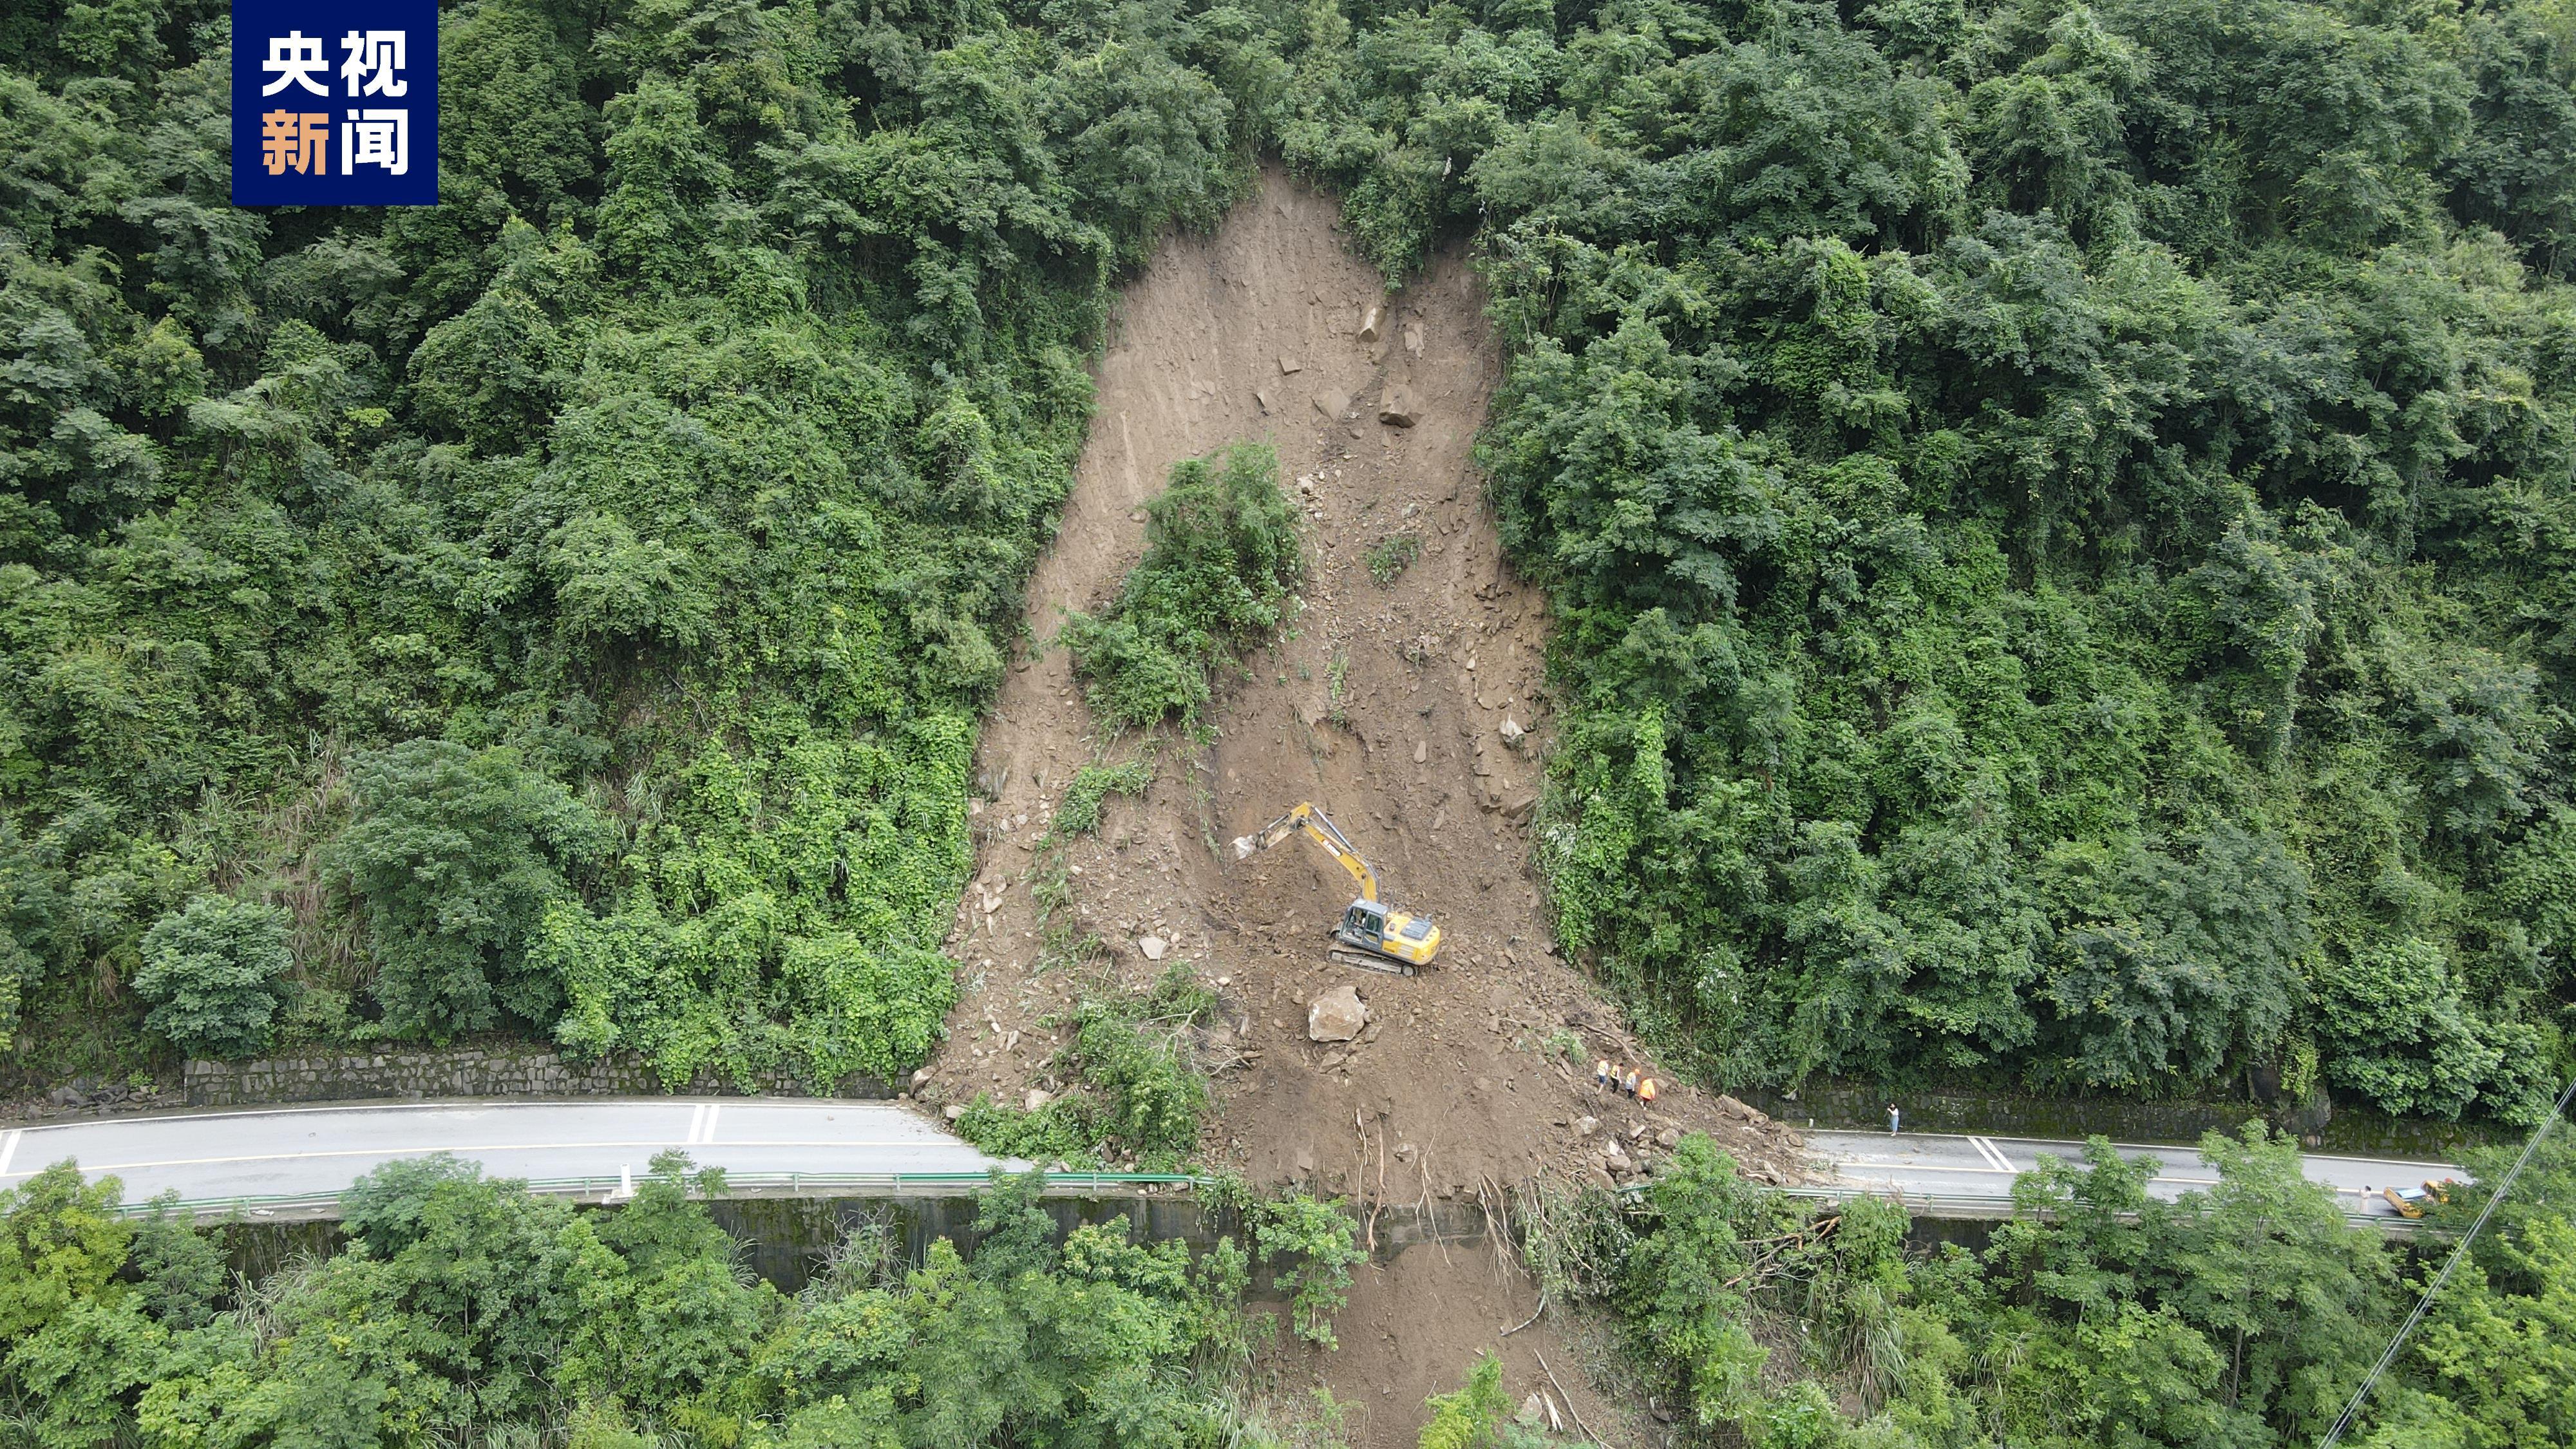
column 1392, row 555
column 1221, row 551
column 1079, row 812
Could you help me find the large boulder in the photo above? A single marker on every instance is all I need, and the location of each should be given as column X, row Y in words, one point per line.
column 1337, row 1015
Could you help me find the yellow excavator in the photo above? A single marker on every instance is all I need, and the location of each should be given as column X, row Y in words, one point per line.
column 1380, row 937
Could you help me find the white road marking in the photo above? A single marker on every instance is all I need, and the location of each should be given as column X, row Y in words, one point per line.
column 1986, row 1149
column 697, row 1124
column 707, row 1138
column 9, row 1148
column 451, row 1147
column 1848, row 1169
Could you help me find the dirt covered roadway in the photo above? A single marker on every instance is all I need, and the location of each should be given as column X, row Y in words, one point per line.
column 1413, row 711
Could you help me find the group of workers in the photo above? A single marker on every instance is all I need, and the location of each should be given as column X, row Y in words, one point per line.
column 1623, row 1079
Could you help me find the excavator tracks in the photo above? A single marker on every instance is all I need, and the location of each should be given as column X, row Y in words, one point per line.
column 1372, row 962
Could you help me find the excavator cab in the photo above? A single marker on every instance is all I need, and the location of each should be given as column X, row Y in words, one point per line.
column 1370, row 926
column 1376, row 935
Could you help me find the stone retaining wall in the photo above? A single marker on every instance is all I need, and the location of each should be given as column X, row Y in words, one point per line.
column 425, row 1072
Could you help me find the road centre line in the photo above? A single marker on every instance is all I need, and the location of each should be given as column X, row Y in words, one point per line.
column 489, row 1147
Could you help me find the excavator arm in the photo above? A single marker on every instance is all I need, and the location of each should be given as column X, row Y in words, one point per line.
column 1319, row 828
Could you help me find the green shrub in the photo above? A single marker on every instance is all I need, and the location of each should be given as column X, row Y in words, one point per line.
column 1321, row 1243
column 214, row 971
column 1221, row 551
column 1135, row 1088
column 454, row 857
column 1475, row 1417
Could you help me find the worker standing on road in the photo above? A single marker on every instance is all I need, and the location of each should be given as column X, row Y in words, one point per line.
column 1646, row 1091
column 1891, row 1119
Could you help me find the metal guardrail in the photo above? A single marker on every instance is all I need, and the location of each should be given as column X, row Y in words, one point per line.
column 1978, row 1206
column 736, row 1184
column 1957, row 1206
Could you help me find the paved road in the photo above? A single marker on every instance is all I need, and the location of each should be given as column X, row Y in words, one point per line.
column 1942, row 1165
column 291, row 1151
column 321, row 1149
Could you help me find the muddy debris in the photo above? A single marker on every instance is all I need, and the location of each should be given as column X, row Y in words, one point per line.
column 1384, row 704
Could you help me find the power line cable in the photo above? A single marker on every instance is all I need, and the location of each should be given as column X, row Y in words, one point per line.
column 2424, row 1304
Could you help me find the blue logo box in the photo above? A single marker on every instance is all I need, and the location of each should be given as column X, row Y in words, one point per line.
column 335, row 104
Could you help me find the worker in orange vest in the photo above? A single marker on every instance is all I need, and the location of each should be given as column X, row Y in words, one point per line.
column 1646, row 1091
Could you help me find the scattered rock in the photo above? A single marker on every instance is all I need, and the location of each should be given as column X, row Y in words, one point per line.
column 1669, row 1138
column 1532, row 1413
column 1421, row 751
column 1413, row 339
column 953, row 1111
column 1152, row 947
column 1734, row 1108
column 1262, row 396
column 1519, row 805
column 1586, row 1126
column 1370, row 324
column 1397, row 410
column 1511, row 730
column 1332, row 404
column 1617, row 1161
column 1337, row 1015
column 1288, row 365
column 1332, row 1060
column 1037, row 1097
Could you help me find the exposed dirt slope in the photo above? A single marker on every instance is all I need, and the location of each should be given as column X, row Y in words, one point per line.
column 1385, row 704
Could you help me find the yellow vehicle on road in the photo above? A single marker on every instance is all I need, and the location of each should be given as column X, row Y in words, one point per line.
column 1377, row 935
column 2411, row 1201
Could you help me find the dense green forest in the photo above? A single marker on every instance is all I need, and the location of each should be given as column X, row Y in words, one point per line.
column 2243, row 1315
column 464, row 1311
column 563, row 610
column 2058, row 515
column 467, row 1312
